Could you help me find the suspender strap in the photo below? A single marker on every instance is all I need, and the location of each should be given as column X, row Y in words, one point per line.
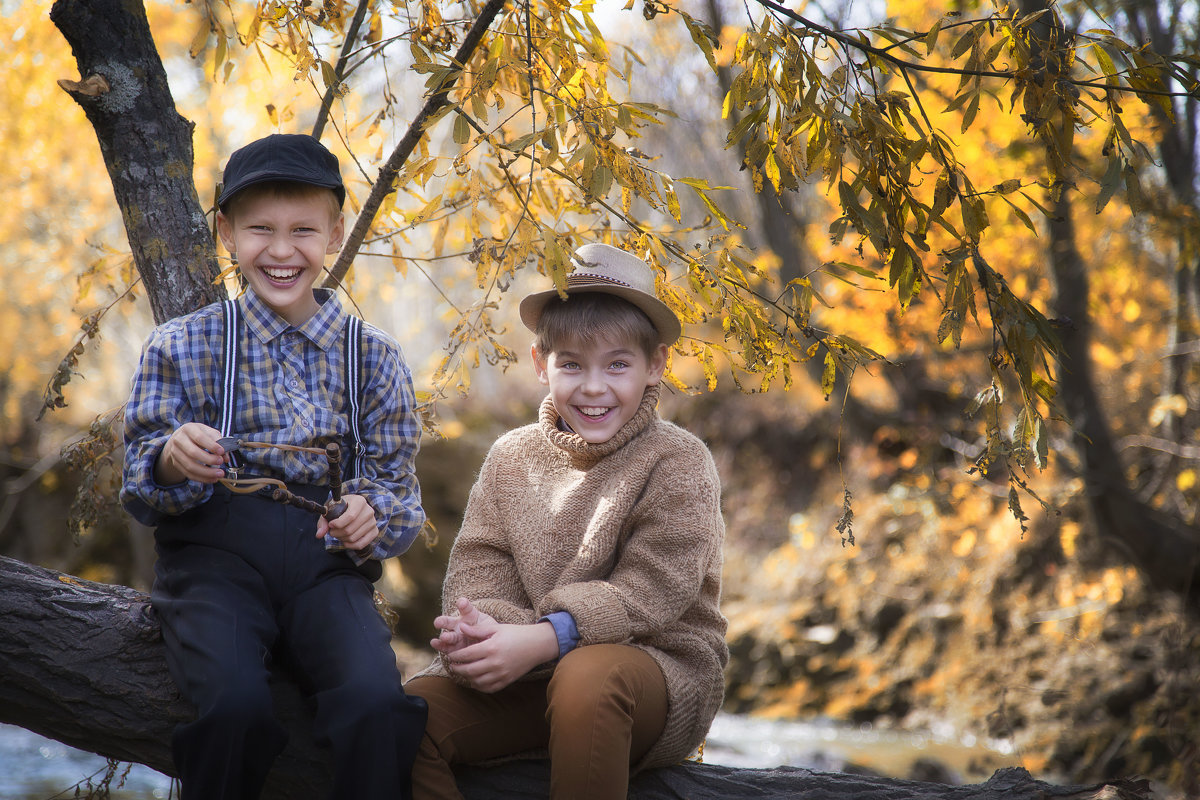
column 353, row 363
column 353, row 367
column 229, row 370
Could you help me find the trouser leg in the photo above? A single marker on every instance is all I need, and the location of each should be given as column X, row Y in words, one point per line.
column 218, row 632
column 342, row 652
column 466, row 726
column 607, row 706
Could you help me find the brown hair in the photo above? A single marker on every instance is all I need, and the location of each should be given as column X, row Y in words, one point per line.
column 586, row 316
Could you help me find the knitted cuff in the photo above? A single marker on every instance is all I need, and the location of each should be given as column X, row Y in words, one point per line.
column 598, row 612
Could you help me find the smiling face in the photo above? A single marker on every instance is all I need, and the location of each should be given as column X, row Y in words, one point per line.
column 281, row 239
column 597, row 385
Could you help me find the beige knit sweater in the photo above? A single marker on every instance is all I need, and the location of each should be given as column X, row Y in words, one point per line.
column 625, row 535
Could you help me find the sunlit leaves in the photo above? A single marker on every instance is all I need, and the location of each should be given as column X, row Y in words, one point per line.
column 539, row 152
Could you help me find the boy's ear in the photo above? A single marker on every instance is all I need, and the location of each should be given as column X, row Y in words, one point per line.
column 658, row 365
column 337, row 234
column 225, row 231
column 539, row 366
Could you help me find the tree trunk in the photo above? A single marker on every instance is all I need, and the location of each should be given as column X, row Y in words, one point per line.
column 83, row 663
column 147, row 147
column 1163, row 548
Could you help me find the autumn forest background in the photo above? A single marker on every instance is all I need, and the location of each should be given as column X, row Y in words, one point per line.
column 942, row 315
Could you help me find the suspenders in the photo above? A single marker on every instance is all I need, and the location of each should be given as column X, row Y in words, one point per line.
column 229, row 371
column 352, row 348
column 353, row 365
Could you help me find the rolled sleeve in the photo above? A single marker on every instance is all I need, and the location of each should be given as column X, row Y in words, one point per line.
column 565, row 630
column 158, row 404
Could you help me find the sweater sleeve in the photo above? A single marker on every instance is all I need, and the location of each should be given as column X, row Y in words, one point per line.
column 481, row 566
column 674, row 535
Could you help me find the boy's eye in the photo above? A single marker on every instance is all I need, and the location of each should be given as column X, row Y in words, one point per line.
column 618, row 365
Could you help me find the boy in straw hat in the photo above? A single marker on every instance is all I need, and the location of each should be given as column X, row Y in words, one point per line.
column 581, row 602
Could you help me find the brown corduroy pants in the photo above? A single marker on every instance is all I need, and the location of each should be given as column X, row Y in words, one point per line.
column 603, row 708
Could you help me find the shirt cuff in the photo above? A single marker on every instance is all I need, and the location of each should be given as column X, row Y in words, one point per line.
column 565, row 630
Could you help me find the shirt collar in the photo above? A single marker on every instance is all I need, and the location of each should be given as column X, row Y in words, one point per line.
column 323, row 328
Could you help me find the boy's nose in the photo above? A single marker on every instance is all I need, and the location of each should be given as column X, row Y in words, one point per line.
column 279, row 246
column 593, row 383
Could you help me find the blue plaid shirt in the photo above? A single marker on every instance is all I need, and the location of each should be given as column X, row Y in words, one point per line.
column 291, row 390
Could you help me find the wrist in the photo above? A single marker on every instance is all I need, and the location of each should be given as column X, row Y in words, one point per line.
column 546, row 642
column 165, row 474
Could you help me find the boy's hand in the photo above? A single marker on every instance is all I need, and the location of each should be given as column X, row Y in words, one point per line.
column 191, row 453
column 355, row 528
column 452, row 637
column 489, row 655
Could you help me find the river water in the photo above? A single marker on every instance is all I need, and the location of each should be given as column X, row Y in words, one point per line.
column 35, row 768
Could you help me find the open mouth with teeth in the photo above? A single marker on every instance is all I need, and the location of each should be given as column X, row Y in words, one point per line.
column 594, row 412
column 282, row 275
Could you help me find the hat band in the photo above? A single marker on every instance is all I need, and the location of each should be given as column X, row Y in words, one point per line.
column 588, row 277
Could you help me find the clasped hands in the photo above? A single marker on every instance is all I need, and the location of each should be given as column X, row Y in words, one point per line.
column 193, row 452
column 487, row 654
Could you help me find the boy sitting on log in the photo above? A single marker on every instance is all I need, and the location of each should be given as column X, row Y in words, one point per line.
column 251, row 393
column 581, row 602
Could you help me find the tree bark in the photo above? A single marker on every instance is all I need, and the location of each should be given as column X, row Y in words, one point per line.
column 83, row 663
column 147, row 148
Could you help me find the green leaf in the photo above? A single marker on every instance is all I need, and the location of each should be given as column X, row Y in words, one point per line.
column 1021, row 215
column 966, row 41
column 1106, row 64
column 866, row 272
column 969, row 114
column 462, row 129
column 704, row 38
column 602, row 179
column 932, row 36
column 1109, row 183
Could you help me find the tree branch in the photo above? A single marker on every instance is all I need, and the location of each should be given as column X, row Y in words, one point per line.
column 879, row 52
column 339, row 69
column 387, row 173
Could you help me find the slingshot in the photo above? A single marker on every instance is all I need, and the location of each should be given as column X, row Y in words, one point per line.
column 331, row 510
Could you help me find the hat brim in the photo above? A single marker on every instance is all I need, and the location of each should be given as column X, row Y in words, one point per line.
column 662, row 317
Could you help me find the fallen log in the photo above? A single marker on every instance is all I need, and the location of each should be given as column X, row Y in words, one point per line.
column 82, row 663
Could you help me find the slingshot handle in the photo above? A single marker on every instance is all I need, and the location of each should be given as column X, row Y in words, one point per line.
column 333, row 454
column 336, row 506
column 284, row 496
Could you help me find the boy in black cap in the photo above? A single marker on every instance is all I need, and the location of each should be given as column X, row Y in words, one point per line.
column 231, row 410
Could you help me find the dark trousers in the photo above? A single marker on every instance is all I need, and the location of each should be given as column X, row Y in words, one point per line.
column 243, row 580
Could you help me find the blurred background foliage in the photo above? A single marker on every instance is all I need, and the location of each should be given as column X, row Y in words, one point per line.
column 937, row 602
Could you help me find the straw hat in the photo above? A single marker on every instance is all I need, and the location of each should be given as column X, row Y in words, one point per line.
column 610, row 270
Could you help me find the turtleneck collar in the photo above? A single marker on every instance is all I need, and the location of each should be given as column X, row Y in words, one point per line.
column 577, row 446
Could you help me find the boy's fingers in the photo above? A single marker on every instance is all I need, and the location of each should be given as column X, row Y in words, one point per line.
column 470, row 613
